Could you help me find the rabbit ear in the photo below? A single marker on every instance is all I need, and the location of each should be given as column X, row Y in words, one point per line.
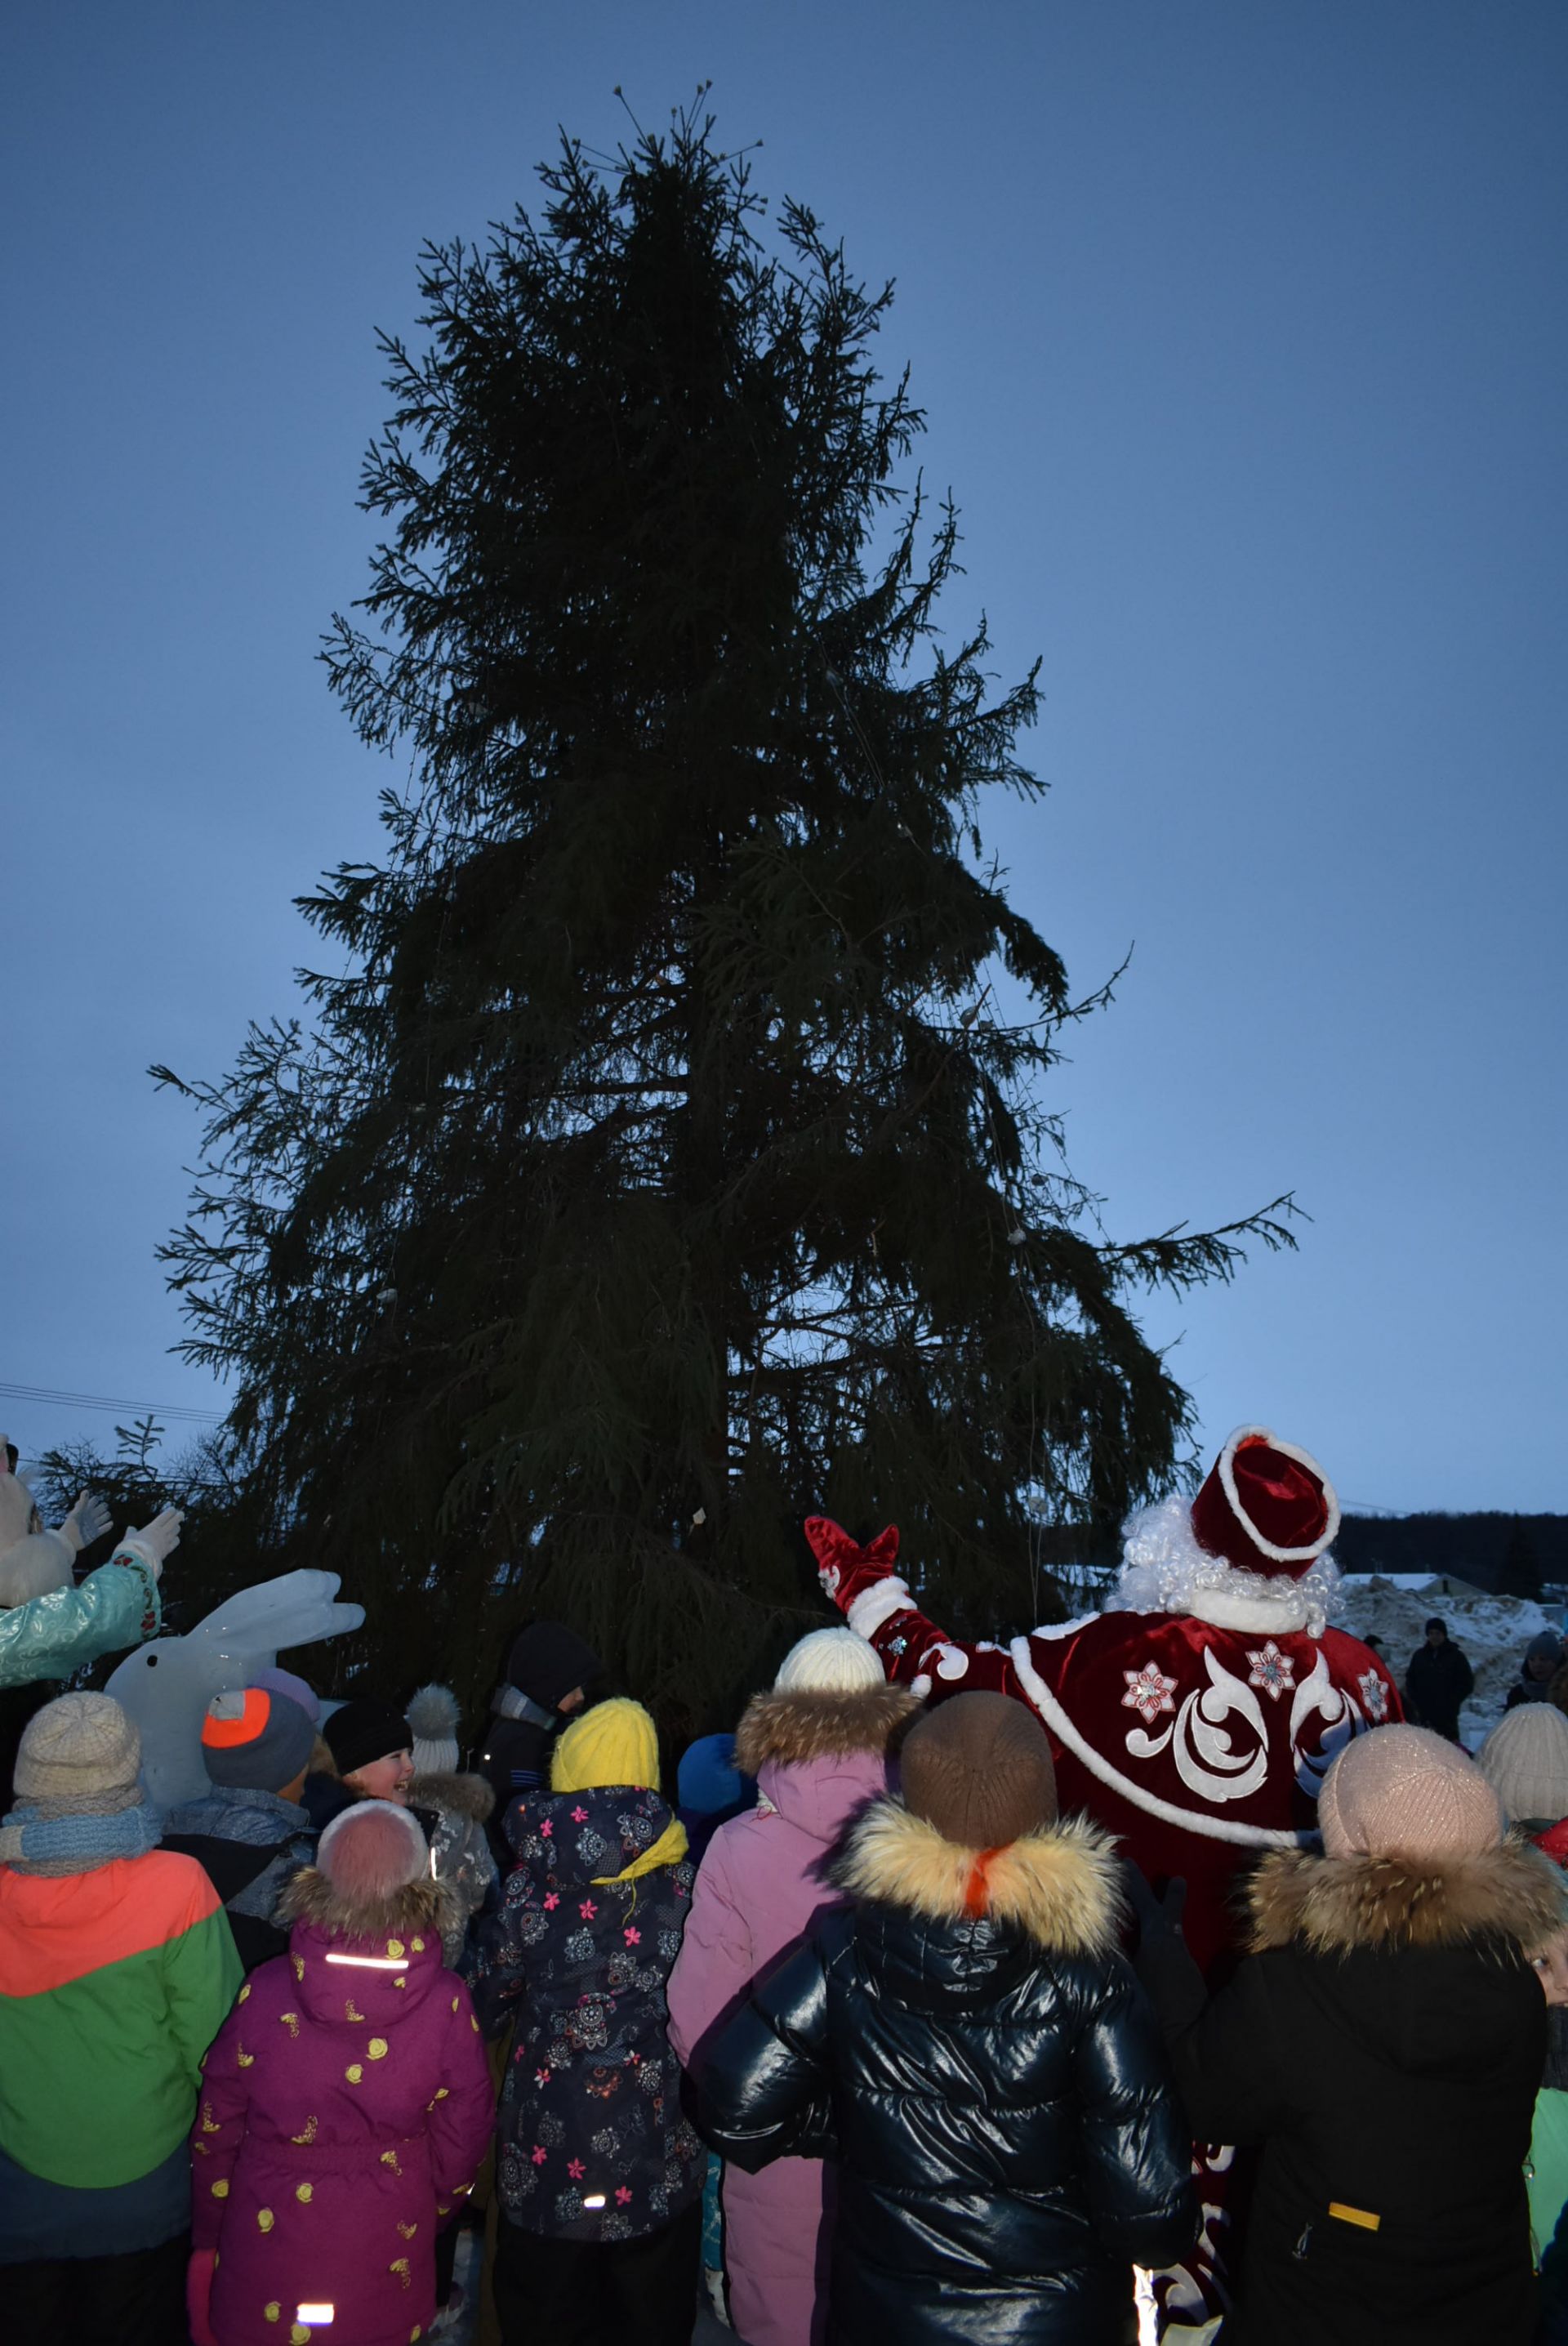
column 296, row 1609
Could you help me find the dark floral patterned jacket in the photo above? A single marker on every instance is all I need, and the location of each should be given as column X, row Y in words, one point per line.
column 592, row 2145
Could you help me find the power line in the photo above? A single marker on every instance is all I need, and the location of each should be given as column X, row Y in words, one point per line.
column 46, row 1396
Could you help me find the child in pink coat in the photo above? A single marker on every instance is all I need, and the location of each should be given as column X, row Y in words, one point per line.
column 345, row 2108
column 818, row 1745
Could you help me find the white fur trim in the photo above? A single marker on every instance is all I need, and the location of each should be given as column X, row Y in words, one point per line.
column 1303, row 1458
column 921, row 1687
column 954, row 1662
column 1209, row 1828
column 874, row 1608
column 1164, row 1570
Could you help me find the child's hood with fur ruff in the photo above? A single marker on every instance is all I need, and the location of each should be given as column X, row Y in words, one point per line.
column 790, row 1728
column 1060, row 1887
column 469, row 1796
column 1335, row 1904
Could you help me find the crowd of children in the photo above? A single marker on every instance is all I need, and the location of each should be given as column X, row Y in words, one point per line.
column 261, row 2057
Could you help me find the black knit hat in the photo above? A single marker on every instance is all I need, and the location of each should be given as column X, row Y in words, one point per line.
column 979, row 1769
column 547, row 1660
column 364, row 1731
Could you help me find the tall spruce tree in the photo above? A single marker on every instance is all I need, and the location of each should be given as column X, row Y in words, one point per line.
column 665, row 1167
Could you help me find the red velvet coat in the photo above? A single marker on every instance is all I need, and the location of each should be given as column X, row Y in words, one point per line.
column 1199, row 1747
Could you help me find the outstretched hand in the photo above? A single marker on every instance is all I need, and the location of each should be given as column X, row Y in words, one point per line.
column 88, row 1520
column 161, row 1536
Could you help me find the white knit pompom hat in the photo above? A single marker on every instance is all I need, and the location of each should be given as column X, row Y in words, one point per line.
column 829, row 1661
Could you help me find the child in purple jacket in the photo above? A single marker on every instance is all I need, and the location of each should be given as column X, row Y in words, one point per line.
column 818, row 1745
column 345, row 2109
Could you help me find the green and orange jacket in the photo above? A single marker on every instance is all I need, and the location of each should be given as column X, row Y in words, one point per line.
column 113, row 1984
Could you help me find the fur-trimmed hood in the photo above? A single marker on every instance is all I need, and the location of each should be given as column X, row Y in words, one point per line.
column 1061, row 1888
column 1334, row 1904
column 790, row 1728
column 415, row 1906
column 471, row 1796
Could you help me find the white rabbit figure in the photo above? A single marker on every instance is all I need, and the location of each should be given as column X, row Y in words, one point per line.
column 166, row 1687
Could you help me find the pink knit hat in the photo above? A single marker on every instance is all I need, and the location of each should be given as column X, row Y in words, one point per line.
column 372, row 1849
column 1403, row 1792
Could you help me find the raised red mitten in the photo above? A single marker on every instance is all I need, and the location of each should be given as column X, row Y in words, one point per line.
column 841, row 1560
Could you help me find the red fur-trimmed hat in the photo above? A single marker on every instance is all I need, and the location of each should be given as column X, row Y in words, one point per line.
column 1267, row 1507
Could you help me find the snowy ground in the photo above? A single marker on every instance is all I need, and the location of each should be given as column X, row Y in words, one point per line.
column 1493, row 1632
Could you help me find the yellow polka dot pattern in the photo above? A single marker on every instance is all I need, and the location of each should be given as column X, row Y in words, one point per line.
column 401, row 2267
column 220, row 2190
column 311, row 2123
column 353, row 2072
column 271, row 2310
column 297, row 2334
column 395, row 1947
column 243, row 1994
column 265, row 2219
column 417, row 1946
column 407, row 2231
column 389, row 2158
column 304, row 2193
column 298, row 1963
column 377, row 2049
column 291, row 2021
column 246, row 2060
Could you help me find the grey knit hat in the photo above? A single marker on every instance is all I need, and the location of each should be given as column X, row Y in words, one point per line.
column 433, row 1720
column 80, row 1754
column 256, row 1740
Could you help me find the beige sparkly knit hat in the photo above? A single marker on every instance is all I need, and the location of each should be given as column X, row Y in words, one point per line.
column 1525, row 1761
column 1405, row 1792
column 80, row 1755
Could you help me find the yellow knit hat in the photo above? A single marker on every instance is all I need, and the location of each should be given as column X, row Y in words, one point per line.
column 615, row 1743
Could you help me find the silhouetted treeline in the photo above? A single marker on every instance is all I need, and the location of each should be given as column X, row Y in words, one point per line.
column 1471, row 1547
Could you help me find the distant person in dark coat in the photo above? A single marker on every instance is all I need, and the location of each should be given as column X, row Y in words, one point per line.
column 966, row 2039
column 1384, row 2042
column 1437, row 1682
column 1542, row 1659
column 548, row 1672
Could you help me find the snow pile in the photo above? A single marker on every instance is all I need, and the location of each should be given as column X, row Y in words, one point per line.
column 1493, row 1631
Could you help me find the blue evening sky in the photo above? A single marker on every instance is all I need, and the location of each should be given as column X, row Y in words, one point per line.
column 1241, row 331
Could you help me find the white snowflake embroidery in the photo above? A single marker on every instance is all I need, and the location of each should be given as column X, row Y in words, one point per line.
column 1149, row 1692
column 1273, row 1671
column 1374, row 1696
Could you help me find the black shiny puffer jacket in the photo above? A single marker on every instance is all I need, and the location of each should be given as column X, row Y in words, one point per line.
column 983, row 2065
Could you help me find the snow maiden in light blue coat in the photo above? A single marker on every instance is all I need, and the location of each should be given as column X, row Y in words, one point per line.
column 49, row 1628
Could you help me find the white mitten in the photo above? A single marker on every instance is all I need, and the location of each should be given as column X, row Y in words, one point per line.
column 156, row 1540
column 88, row 1520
